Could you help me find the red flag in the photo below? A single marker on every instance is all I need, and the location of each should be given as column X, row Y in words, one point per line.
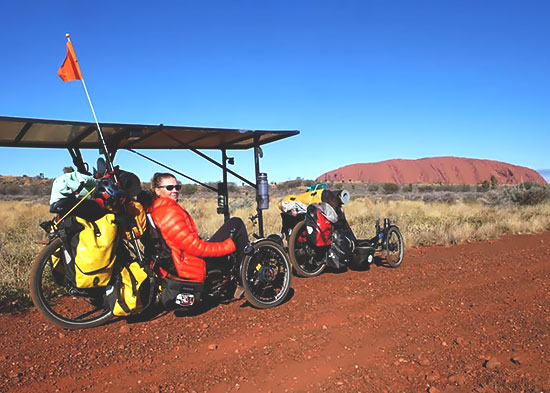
column 69, row 70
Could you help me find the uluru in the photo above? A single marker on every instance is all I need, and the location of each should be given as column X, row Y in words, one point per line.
column 451, row 170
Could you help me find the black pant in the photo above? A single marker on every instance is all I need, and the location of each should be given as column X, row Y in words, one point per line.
column 240, row 238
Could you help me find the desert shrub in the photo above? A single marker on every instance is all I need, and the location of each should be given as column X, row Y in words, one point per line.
column 445, row 187
column 373, row 187
column 429, row 198
column 241, row 203
column 35, row 189
column 189, row 189
column 447, row 197
column 425, row 188
column 291, row 184
column 231, row 187
column 12, row 189
column 527, row 185
column 530, row 196
column 463, row 188
column 494, row 182
column 390, row 188
column 484, row 186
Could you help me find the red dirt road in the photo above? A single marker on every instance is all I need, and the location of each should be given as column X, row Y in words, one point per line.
column 473, row 317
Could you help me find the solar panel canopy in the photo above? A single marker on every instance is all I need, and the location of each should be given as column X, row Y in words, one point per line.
column 28, row 132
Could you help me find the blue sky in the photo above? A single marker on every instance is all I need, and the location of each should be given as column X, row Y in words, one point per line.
column 363, row 81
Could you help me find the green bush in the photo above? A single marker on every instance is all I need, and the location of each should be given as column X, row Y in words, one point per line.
column 291, row 184
column 12, row 189
column 390, row 188
column 483, row 187
column 530, row 196
column 189, row 189
column 425, row 188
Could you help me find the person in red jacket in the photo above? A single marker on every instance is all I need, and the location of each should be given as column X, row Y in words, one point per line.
column 180, row 233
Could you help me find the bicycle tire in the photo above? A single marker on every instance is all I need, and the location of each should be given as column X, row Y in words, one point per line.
column 306, row 261
column 266, row 274
column 57, row 302
column 394, row 249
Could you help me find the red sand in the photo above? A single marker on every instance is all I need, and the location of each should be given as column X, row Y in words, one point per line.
column 467, row 318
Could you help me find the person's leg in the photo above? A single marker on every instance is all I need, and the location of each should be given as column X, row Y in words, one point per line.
column 240, row 236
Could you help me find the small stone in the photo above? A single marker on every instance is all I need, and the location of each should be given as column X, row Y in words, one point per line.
column 433, row 389
column 212, row 347
column 124, row 329
column 433, row 376
column 61, row 335
column 204, row 325
column 515, row 360
column 424, row 362
column 491, row 364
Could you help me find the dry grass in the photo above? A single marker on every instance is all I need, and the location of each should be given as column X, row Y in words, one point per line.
column 19, row 232
column 441, row 223
column 421, row 224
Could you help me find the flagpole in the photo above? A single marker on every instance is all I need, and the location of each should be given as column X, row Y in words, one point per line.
column 105, row 151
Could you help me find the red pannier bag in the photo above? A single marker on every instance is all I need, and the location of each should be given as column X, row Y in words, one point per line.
column 318, row 226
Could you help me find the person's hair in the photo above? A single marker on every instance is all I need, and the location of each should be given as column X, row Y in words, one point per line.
column 156, row 179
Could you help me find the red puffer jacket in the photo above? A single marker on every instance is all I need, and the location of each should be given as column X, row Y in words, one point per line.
column 180, row 233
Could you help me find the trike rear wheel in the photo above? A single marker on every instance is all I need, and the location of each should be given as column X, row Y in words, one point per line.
column 77, row 310
column 307, row 261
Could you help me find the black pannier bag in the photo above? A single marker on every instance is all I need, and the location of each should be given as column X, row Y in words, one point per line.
column 341, row 249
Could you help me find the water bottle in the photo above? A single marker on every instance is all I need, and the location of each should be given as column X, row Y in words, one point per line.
column 263, row 192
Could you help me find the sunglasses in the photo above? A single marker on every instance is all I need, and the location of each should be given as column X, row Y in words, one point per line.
column 171, row 187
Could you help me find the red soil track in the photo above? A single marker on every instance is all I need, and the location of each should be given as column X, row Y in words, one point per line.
column 472, row 317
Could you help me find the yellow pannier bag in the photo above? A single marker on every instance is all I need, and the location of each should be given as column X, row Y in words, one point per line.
column 136, row 210
column 94, row 250
column 298, row 203
column 129, row 291
column 57, row 266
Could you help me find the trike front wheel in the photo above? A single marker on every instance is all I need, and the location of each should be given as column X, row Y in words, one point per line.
column 394, row 247
column 265, row 274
